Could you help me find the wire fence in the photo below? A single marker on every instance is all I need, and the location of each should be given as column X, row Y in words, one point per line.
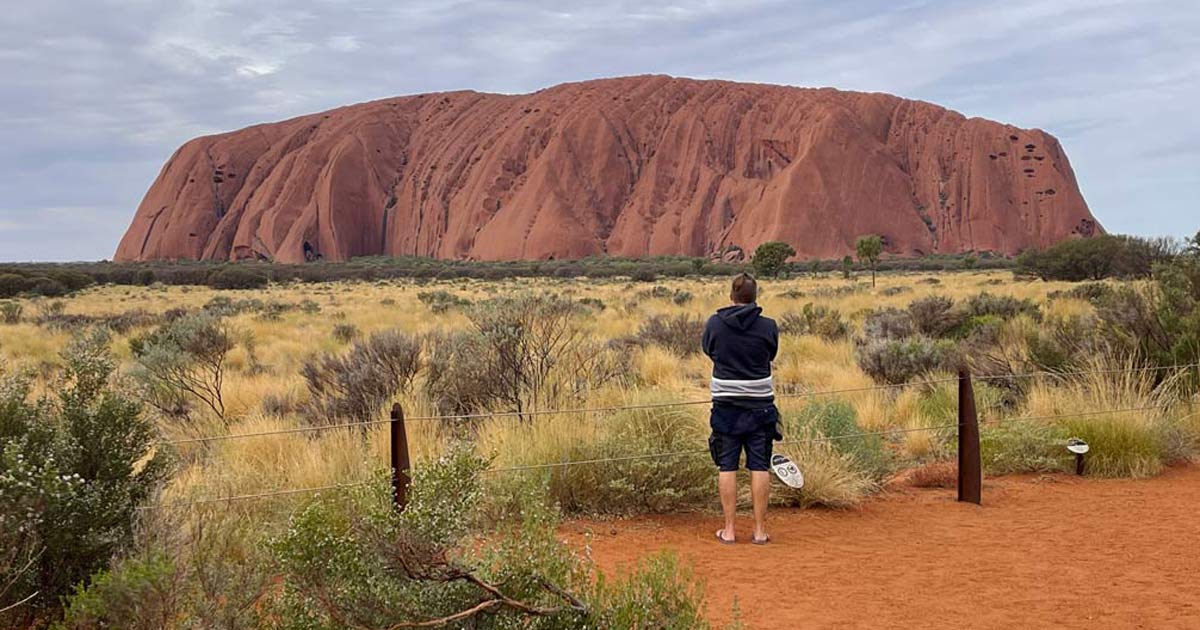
column 533, row 413
column 673, row 454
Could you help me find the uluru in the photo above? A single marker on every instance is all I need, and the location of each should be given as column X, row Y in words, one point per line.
column 636, row 166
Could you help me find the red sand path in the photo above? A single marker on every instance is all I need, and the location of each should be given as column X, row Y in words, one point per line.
column 1042, row 552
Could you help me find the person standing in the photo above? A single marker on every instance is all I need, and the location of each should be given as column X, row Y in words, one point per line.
column 742, row 343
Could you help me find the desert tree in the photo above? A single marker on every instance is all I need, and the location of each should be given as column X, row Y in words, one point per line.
column 869, row 248
column 770, row 258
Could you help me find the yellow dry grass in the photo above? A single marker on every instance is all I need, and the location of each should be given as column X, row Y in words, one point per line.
column 268, row 368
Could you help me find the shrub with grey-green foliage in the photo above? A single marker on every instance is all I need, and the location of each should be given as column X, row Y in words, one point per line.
column 897, row 361
column 679, row 334
column 814, row 319
column 184, row 361
column 889, row 323
column 936, row 315
column 1002, row 306
column 458, row 378
column 356, row 385
column 441, row 301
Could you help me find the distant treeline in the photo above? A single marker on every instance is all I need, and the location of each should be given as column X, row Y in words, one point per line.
column 55, row 279
column 1106, row 256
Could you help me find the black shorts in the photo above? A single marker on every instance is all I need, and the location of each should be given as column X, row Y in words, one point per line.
column 736, row 430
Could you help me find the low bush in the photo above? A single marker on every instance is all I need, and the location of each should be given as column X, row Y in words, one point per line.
column 936, row 316
column 351, row 556
column 888, row 323
column 678, row 333
column 835, row 419
column 1002, row 306
column 345, row 333
column 456, row 380
column 236, row 277
column 896, row 361
column 816, row 320
column 358, row 384
column 441, row 301
column 1089, row 291
column 1120, row 445
column 10, row 312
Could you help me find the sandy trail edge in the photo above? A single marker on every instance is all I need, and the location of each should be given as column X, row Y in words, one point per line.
column 1049, row 551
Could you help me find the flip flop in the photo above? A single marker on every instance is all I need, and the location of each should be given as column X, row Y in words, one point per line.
column 721, row 538
column 760, row 541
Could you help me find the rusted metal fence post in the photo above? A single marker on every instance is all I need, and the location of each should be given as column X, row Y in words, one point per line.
column 970, row 469
column 400, row 462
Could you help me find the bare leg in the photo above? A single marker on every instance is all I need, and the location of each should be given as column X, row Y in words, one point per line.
column 727, row 482
column 760, row 491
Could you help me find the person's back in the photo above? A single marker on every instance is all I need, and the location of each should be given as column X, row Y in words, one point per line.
column 742, row 343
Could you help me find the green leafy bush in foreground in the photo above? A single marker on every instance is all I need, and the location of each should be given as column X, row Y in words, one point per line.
column 73, row 468
column 352, row 559
column 348, row 559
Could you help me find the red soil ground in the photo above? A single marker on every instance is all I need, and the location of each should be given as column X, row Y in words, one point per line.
column 1042, row 552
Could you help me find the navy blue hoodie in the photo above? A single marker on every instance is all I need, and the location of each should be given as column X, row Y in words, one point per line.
column 741, row 343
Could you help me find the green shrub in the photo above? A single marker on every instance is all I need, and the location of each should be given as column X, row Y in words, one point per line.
column 236, row 277
column 1002, row 306
column 770, row 258
column 352, row 556
column 141, row 594
column 441, row 301
column 643, row 275
column 1097, row 258
column 73, row 468
column 357, row 385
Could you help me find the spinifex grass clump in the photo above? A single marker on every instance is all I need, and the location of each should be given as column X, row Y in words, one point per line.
column 838, row 470
column 640, row 479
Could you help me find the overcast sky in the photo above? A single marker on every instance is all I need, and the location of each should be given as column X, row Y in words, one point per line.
column 96, row 95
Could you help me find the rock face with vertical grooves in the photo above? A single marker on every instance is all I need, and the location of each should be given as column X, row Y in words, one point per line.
column 637, row 166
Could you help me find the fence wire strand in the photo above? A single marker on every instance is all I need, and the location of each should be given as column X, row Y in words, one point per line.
column 687, row 453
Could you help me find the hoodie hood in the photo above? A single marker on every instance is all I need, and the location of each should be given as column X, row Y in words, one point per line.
column 740, row 316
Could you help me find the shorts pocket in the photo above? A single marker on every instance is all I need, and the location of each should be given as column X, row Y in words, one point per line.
column 714, row 448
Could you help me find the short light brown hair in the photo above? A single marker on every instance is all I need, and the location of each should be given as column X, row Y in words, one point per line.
column 745, row 289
